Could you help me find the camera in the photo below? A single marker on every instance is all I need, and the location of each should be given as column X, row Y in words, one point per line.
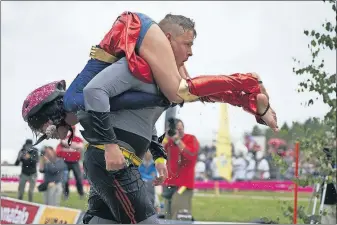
column 42, row 152
column 172, row 127
column 327, row 152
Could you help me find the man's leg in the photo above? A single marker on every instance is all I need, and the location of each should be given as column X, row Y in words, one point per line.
column 167, row 208
column 52, row 194
column 150, row 190
column 181, row 202
column 46, row 197
column 151, row 220
column 99, row 220
column 32, row 183
column 123, row 191
column 57, row 194
column 66, row 183
column 22, row 185
column 98, row 211
column 78, row 176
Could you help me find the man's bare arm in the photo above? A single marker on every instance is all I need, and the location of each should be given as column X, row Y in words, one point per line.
column 158, row 53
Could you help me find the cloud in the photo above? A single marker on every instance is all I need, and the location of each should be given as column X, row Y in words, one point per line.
column 47, row 41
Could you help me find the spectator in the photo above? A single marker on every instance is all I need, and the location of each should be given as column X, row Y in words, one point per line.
column 251, row 144
column 53, row 168
column 71, row 155
column 239, row 163
column 239, row 168
column 214, row 166
column 182, row 150
column 200, row 168
column 28, row 156
column 262, row 168
column 330, row 201
column 148, row 172
column 208, row 162
column 250, row 171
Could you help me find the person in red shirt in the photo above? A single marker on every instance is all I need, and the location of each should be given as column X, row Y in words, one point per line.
column 182, row 153
column 71, row 156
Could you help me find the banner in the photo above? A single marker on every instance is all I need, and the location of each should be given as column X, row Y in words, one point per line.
column 55, row 215
column 10, row 172
column 223, row 146
column 17, row 212
column 268, row 185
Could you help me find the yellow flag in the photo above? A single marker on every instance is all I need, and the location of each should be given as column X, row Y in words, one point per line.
column 223, row 145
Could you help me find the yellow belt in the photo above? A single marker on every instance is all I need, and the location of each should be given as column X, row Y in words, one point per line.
column 100, row 54
column 127, row 154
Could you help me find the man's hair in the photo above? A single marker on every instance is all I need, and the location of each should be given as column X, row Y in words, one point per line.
column 167, row 24
column 179, row 121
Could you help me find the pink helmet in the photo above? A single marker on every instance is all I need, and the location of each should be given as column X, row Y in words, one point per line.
column 41, row 96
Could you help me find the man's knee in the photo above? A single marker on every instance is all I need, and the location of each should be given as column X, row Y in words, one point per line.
column 97, row 220
column 151, row 220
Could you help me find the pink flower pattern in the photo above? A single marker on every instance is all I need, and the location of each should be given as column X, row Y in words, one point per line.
column 37, row 96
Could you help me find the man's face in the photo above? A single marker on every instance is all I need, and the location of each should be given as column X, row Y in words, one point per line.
column 50, row 154
column 148, row 156
column 180, row 129
column 182, row 46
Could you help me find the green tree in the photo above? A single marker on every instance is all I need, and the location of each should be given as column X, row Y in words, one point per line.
column 319, row 81
column 316, row 134
column 257, row 131
column 285, row 127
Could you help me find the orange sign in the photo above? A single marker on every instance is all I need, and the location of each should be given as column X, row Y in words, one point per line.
column 55, row 215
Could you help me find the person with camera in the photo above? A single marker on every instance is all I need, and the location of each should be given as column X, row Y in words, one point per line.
column 28, row 156
column 182, row 154
column 53, row 168
column 330, row 200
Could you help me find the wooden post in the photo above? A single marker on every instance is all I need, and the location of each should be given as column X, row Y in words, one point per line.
column 216, row 188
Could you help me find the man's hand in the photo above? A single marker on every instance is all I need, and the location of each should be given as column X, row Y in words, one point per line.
column 41, row 163
column 162, row 172
column 27, row 156
column 64, row 144
column 20, row 155
column 175, row 137
column 114, row 158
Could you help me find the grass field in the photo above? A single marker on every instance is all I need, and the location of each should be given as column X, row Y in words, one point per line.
column 228, row 207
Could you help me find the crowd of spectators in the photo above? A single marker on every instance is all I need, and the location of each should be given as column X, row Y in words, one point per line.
column 249, row 162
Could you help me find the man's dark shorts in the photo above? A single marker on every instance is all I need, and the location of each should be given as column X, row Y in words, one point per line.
column 123, row 191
